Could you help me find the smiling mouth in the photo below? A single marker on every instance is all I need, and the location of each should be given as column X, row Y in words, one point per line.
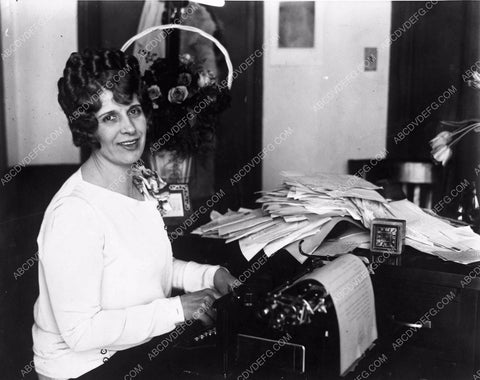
column 129, row 142
column 132, row 144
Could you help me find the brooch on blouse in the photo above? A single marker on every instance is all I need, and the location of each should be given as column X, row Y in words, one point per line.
column 152, row 186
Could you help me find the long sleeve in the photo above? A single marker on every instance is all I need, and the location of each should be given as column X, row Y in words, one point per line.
column 191, row 276
column 73, row 263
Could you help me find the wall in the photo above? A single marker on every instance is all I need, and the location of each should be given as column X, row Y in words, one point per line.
column 37, row 38
column 353, row 124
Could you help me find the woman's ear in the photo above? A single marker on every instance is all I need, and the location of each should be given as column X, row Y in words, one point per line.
column 149, row 121
column 94, row 142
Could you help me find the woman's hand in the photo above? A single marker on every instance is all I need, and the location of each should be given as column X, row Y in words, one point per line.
column 198, row 305
column 224, row 281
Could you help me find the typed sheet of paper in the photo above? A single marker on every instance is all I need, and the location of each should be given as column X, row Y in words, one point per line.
column 348, row 282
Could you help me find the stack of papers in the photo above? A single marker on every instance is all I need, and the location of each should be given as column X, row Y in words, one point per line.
column 300, row 214
column 433, row 235
column 305, row 213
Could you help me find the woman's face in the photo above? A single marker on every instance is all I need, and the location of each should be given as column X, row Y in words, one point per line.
column 121, row 130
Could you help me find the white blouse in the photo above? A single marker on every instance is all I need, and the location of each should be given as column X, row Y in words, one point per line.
column 105, row 274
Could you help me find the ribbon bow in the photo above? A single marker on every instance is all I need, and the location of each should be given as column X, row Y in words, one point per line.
column 152, row 186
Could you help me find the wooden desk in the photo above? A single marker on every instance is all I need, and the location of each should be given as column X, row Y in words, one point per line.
column 440, row 301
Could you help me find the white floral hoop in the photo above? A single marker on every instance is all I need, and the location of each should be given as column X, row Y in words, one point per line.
column 189, row 29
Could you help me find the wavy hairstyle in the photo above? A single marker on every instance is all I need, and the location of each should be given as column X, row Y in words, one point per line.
column 85, row 77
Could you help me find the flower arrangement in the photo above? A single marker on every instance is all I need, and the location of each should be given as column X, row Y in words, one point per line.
column 185, row 103
column 443, row 143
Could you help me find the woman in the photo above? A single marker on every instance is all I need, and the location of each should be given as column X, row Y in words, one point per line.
column 106, row 268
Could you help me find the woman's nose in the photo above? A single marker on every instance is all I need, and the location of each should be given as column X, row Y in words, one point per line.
column 128, row 126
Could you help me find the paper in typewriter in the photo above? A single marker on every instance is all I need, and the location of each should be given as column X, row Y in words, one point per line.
column 348, row 282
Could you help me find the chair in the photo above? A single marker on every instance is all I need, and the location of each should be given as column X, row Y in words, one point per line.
column 416, row 180
column 399, row 179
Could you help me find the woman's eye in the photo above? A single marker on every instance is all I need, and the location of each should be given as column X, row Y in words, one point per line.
column 108, row 118
column 136, row 111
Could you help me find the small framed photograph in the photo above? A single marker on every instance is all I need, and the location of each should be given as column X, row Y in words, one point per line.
column 296, row 24
column 294, row 32
column 387, row 235
column 179, row 200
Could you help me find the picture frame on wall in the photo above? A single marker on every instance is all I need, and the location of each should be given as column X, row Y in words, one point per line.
column 294, row 32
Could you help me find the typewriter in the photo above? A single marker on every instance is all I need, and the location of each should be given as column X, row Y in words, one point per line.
column 267, row 330
column 288, row 332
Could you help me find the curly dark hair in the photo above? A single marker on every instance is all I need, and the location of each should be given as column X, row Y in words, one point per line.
column 85, row 77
